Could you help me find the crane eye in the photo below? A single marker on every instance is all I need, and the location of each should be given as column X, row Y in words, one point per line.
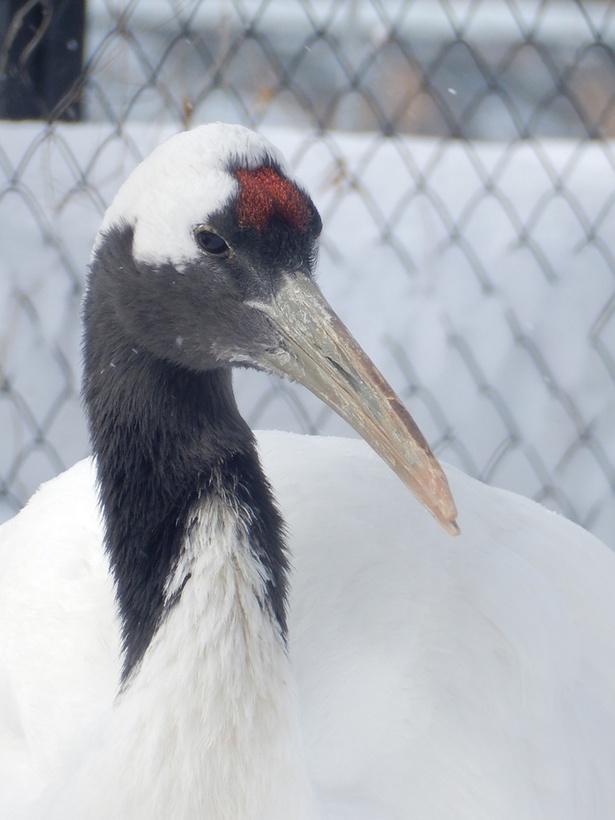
column 211, row 242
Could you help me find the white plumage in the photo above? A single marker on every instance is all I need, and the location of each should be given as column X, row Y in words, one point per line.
column 437, row 678
column 429, row 677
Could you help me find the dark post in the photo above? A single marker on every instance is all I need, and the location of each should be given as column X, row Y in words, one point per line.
column 41, row 55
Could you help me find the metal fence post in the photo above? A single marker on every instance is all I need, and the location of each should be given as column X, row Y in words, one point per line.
column 41, row 51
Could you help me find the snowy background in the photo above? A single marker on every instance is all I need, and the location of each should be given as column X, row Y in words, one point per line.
column 478, row 273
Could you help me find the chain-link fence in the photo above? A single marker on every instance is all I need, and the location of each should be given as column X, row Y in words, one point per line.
column 460, row 155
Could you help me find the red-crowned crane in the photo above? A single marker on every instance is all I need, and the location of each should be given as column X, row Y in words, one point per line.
column 158, row 661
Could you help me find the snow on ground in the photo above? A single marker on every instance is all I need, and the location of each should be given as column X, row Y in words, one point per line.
column 480, row 278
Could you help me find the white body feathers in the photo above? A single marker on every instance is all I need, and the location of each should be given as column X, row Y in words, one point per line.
column 434, row 677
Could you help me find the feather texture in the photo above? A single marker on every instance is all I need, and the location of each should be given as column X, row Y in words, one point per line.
column 436, row 678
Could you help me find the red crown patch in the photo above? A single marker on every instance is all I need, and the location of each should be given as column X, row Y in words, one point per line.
column 263, row 193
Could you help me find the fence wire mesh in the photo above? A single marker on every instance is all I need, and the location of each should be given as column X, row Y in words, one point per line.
column 461, row 156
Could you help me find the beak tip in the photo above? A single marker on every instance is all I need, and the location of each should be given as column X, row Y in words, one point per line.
column 442, row 505
column 445, row 511
column 451, row 526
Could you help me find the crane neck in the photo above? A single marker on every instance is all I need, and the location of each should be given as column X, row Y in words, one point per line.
column 206, row 710
column 168, row 443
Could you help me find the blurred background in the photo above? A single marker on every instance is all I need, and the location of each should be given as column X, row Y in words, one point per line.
column 460, row 151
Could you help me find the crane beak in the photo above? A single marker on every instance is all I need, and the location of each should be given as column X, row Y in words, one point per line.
column 319, row 352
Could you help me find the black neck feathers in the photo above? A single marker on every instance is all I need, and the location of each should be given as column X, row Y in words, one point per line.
column 160, row 434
